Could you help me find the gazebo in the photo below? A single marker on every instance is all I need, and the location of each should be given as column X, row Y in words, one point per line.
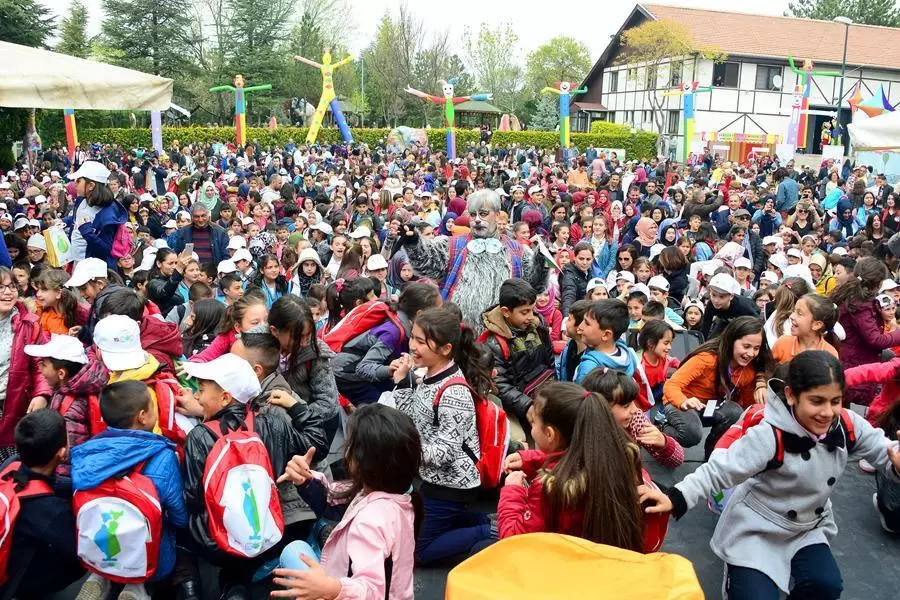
column 475, row 113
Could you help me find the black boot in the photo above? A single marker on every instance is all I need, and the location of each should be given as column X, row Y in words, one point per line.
column 188, row 589
column 236, row 592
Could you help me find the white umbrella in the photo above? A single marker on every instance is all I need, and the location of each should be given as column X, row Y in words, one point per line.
column 35, row 78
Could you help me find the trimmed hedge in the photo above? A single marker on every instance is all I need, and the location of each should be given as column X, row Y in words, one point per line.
column 134, row 138
column 641, row 144
column 607, row 127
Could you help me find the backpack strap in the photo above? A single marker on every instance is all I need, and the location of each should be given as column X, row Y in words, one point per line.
column 457, row 380
column 849, row 429
column 457, row 257
column 25, row 486
column 777, row 460
column 66, row 405
column 217, row 427
column 501, row 341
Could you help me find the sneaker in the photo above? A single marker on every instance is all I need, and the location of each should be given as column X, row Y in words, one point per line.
column 94, row 588
column 865, row 466
column 134, row 591
column 880, row 516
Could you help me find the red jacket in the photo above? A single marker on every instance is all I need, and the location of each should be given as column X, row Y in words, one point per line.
column 885, row 373
column 521, row 509
column 25, row 379
column 163, row 340
column 865, row 339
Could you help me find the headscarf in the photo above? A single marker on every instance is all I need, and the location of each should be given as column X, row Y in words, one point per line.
column 640, row 175
column 442, row 228
column 209, row 203
column 546, row 311
column 643, row 229
column 533, row 219
column 461, row 225
column 394, row 267
column 457, row 205
column 665, row 226
column 601, row 201
column 845, row 226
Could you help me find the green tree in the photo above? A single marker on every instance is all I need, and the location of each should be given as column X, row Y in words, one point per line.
column 73, row 32
column 868, row 12
column 546, row 116
column 29, row 23
column 147, row 35
column 561, row 59
column 25, row 22
column 651, row 45
column 492, row 55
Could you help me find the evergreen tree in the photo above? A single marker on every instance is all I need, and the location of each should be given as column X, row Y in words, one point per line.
column 868, row 12
column 546, row 117
column 25, row 22
column 148, row 35
column 73, row 32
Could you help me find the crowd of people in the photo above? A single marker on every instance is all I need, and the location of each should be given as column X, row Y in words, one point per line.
column 316, row 361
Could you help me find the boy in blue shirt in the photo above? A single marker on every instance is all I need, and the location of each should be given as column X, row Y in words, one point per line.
column 131, row 416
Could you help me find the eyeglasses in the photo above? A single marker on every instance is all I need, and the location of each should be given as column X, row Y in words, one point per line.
column 8, row 287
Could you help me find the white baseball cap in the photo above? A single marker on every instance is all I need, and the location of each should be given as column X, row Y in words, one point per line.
column 888, row 285
column 535, row 189
column 20, row 223
column 4, row 185
column 743, row 263
column 376, row 262
column 769, row 276
column 726, row 284
column 659, row 282
column 160, row 243
column 60, row 347
column 247, row 221
column 656, row 250
column 772, row 239
column 595, row 283
column 37, row 241
column 641, row 289
column 231, row 373
column 87, row 270
column 795, row 252
column 40, row 199
column 92, row 170
column 839, row 251
column 119, row 340
column 226, row 266
column 360, row 232
column 241, row 254
column 323, row 227
column 625, row 276
column 236, row 242
column 170, row 224
column 779, row 260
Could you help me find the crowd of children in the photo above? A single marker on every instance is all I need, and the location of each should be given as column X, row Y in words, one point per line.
column 265, row 382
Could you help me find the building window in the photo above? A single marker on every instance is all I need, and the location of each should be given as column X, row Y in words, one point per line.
column 614, row 81
column 675, row 73
column 674, row 117
column 651, row 78
column 765, row 77
column 611, row 116
column 726, row 74
column 645, row 116
column 632, row 73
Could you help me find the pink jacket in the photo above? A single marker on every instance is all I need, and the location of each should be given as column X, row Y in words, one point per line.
column 885, row 373
column 375, row 525
column 25, row 379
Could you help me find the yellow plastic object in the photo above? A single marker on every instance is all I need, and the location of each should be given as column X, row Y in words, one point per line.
column 541, row 566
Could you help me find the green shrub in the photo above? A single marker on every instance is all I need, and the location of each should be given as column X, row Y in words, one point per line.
column 133, row 138
column 7, row 159
column 607, row 127
column 641, row 144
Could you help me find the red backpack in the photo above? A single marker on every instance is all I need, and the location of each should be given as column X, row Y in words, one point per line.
column 754, row 415
column 174, row 426
column 118, row 526
column 13, row 490
column 358, row 321
column 95, row 419
column 493, row 433
column 241, row 498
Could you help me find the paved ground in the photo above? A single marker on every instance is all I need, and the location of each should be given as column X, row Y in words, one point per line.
column 869, row 557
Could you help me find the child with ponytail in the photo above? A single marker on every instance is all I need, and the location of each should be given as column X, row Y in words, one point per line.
column 442, row 406
column 244, row 314
column 344, row 295
column 583, row 478
column 812, row 323
column 57, row 306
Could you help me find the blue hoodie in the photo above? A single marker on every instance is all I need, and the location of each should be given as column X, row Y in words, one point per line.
column 116, row 450
column 624, row 360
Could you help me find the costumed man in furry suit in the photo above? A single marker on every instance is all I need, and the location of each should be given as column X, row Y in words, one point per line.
column 470, row 268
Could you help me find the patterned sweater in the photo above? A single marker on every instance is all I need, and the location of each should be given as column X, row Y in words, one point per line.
column 445, row 444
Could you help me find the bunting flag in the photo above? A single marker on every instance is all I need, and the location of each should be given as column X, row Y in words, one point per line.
column 877, row 104
column 748, row 138
column 855, row 99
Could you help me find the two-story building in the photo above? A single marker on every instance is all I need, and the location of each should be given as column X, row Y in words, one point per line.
column 753, row 89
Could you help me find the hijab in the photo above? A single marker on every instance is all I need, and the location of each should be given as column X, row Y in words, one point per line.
column 442, row 228
column 457, row 205
column 546, row 311
column 209, row 203
column 665, row 226
column 396, row 265
column 845, row 226
column 644, row 232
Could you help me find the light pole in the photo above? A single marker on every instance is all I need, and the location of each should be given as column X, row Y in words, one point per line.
column 846, row 22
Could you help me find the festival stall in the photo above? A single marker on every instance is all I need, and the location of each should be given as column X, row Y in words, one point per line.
column 740, row 146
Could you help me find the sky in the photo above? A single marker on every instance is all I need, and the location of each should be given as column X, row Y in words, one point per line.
column 532, row 19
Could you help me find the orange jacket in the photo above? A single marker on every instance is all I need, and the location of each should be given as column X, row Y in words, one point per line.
column 697, row 378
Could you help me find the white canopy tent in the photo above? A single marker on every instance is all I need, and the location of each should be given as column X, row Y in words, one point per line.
column 35, row 78
column 876, row 133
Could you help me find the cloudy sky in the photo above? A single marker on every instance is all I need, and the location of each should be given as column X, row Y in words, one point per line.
column 536, row 21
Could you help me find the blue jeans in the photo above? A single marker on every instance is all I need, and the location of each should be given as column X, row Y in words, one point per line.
column 815, row 573
column 450, row 529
